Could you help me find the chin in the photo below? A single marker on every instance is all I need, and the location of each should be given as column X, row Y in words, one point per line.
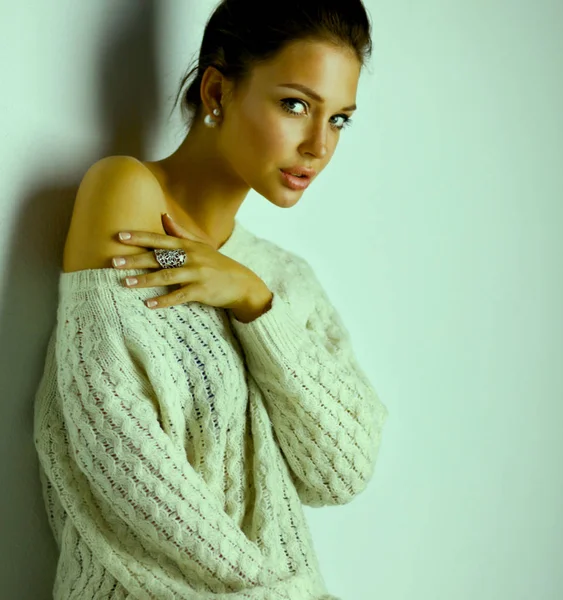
column 288, row 203
column 280, row 196
column 285, row 198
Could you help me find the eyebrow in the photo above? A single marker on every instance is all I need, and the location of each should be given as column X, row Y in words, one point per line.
column 312, row 94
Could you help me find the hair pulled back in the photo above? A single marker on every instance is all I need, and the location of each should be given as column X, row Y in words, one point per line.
column 240, row 34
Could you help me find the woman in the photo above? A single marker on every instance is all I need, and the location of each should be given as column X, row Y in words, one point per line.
column 177, row 444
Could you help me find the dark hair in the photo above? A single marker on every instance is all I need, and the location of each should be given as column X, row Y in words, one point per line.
column 242, row 33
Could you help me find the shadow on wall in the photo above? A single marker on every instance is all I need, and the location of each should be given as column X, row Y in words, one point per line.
column 128, row 105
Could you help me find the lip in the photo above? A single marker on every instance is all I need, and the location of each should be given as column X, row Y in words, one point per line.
column 295, row 183
column 308, row 172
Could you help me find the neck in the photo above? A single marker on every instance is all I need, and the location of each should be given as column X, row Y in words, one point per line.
column 200, row 184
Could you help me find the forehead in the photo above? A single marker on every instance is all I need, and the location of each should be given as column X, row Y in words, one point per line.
column 318, row 65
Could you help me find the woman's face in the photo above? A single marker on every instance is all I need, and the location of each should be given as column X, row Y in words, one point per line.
column 267, row 127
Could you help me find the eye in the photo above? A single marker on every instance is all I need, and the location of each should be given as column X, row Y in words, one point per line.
column 287, row 101
column 347, row 121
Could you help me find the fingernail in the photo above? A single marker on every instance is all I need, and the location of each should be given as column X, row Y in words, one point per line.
column 124, row 235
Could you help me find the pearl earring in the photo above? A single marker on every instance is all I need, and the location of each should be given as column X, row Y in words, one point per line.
column 209, row 121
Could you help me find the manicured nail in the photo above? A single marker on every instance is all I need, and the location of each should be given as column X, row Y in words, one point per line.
column 117, row 262
column 124, row 235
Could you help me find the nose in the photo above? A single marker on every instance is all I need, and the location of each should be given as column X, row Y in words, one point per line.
column 316, row 140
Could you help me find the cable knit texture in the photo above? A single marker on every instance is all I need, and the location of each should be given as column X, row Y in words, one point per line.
column 177, row 445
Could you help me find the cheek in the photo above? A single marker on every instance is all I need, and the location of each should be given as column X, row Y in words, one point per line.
column 265, row 134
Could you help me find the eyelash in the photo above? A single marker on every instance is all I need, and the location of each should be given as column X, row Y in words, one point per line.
column 347, row 120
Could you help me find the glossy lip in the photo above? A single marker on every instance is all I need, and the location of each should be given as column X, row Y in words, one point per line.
column 295, row 183
column 300, row 171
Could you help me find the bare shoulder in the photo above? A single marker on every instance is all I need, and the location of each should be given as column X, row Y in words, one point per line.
column 116, row 193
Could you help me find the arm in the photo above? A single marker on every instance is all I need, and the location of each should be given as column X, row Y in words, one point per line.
column 130, row 491
column 327, row 416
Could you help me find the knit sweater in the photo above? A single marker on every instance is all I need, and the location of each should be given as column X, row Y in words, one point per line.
column 177, row 446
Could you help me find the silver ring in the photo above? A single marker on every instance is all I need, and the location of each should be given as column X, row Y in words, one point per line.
column 170, row 259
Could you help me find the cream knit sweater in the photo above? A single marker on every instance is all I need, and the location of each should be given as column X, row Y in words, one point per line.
column 177, row 445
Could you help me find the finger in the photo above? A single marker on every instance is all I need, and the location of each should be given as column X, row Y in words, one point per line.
column 173, row 228
column 152, row 240
column 189, row 293
column 164, row 277
column 145, row 260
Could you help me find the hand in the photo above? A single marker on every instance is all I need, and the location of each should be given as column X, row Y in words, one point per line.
column 208, row 277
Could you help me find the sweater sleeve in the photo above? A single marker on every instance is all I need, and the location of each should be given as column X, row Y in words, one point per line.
column 134, row 496
column 326, row 414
